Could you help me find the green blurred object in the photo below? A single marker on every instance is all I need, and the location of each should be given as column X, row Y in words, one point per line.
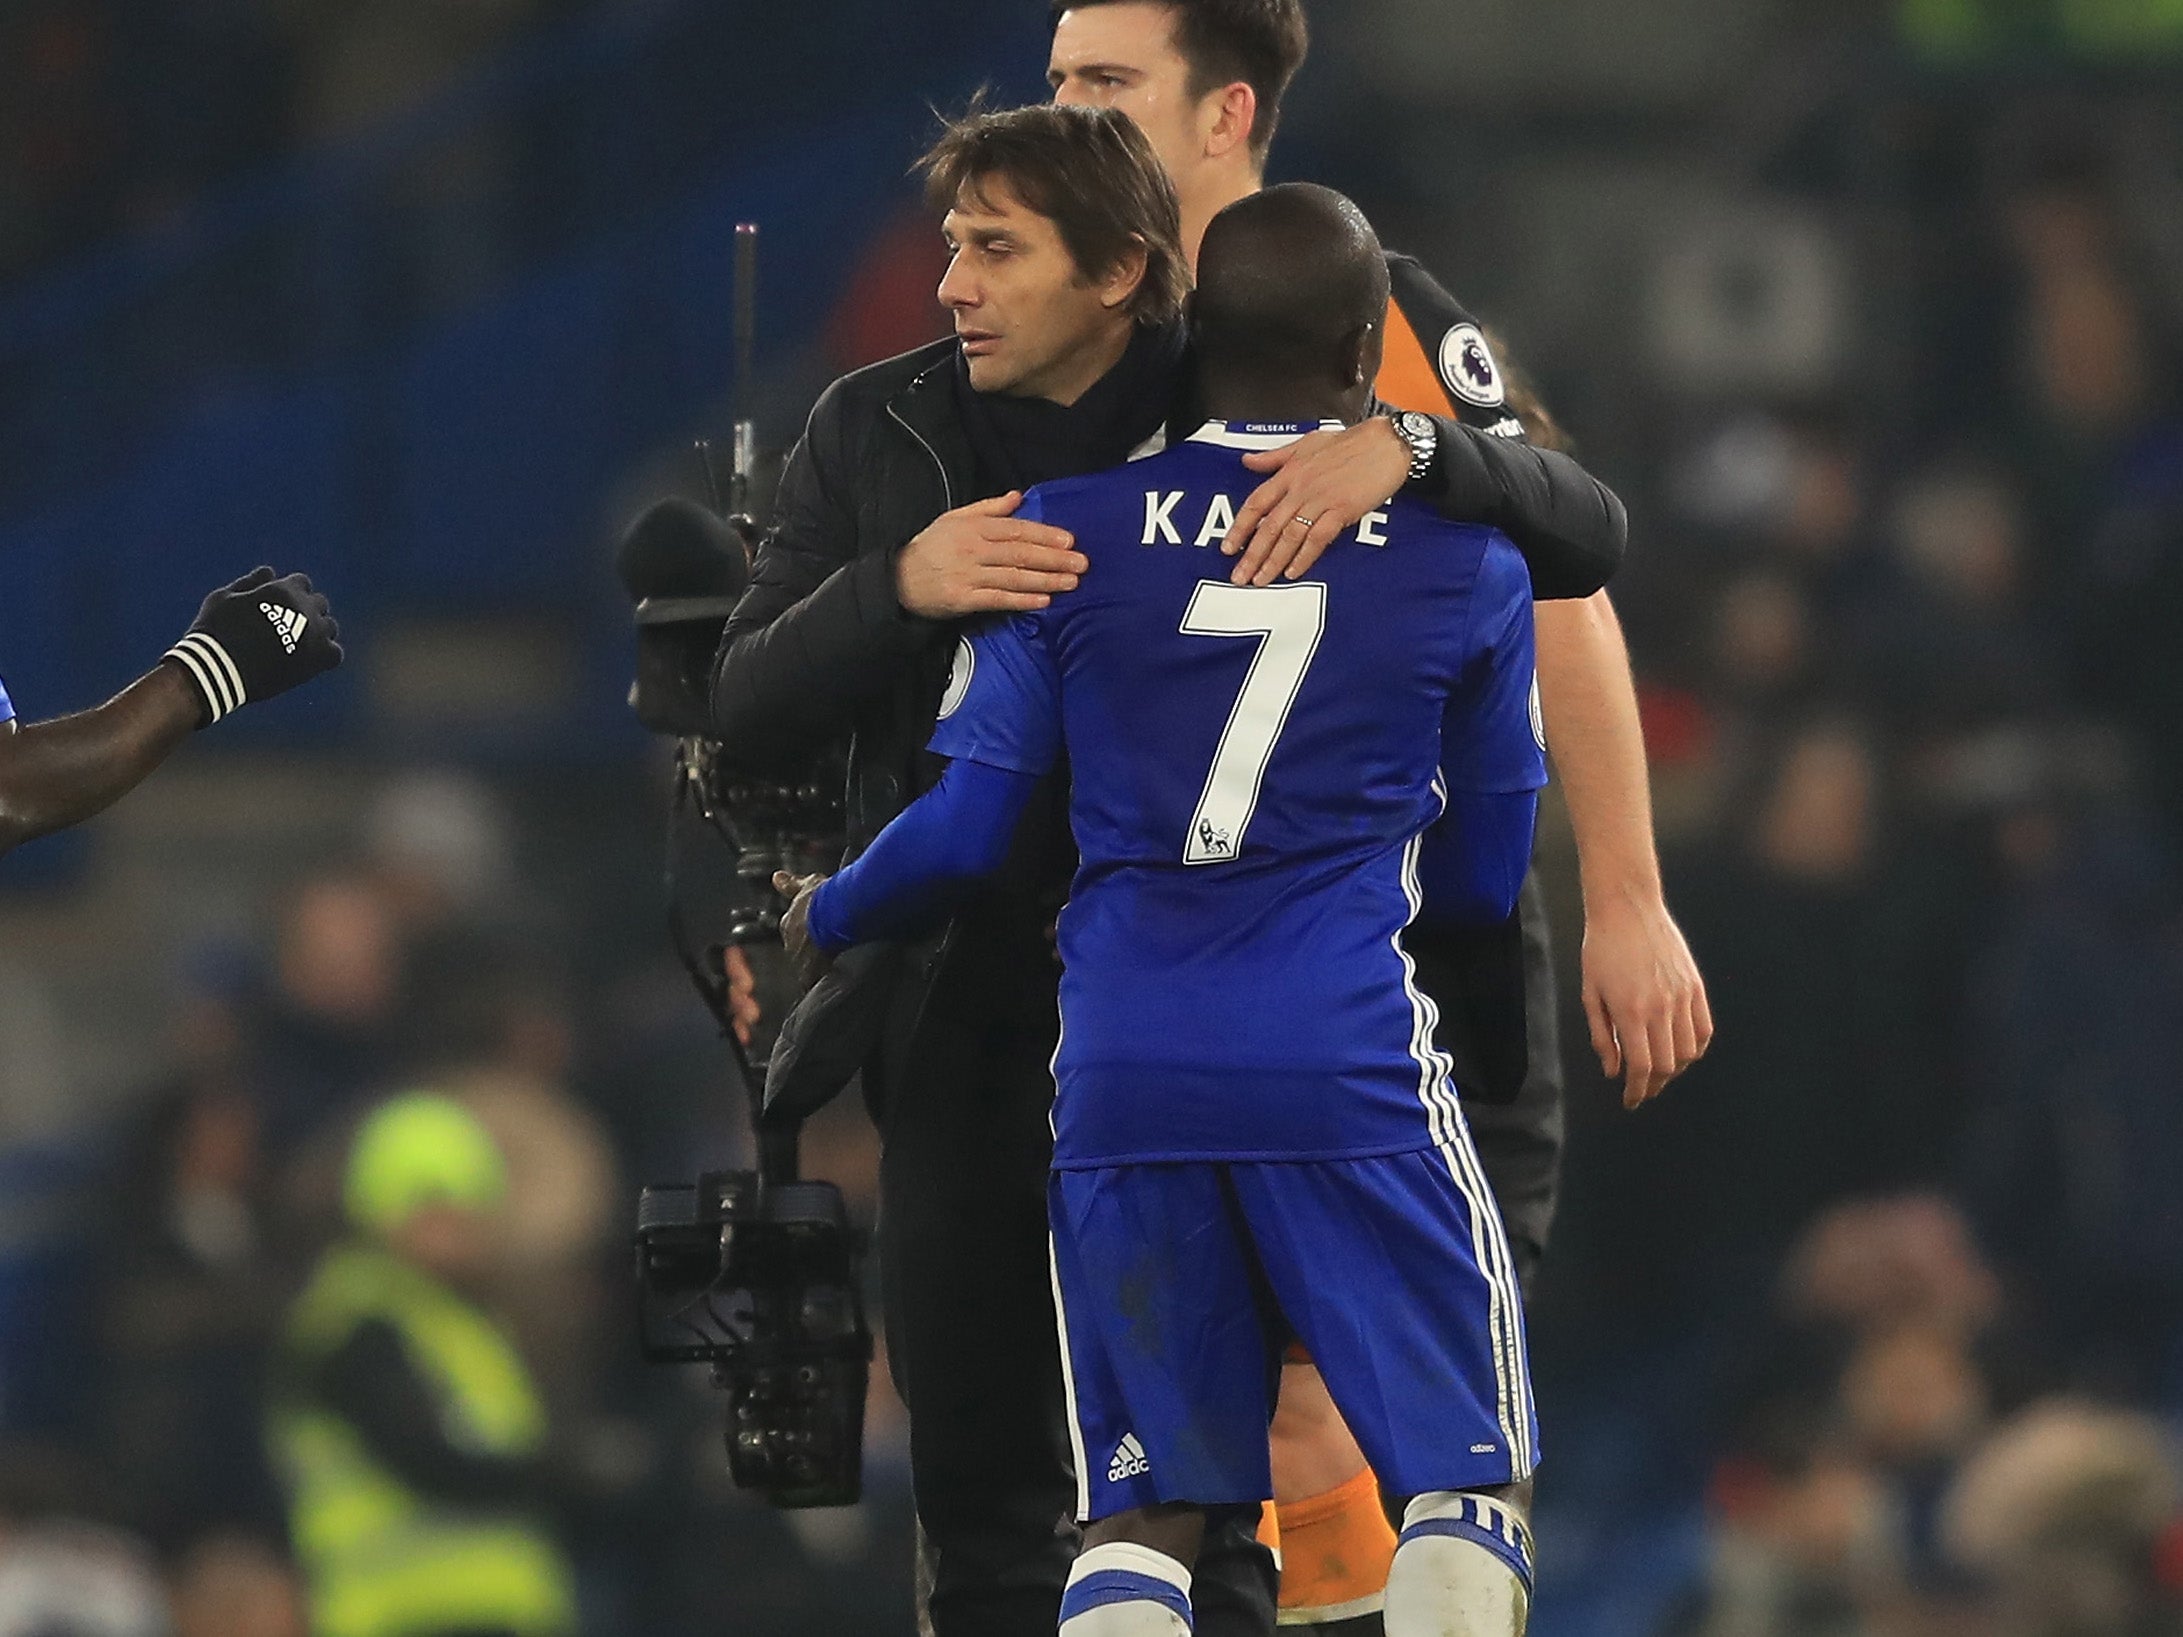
column 420, row 1150
column 1989, row 30
column 381, row 1557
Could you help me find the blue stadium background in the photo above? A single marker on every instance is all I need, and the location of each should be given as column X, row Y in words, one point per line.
column 1872, row 313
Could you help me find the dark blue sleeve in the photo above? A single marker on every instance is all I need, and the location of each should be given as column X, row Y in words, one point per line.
column 1493, row 738
column 7, row 706
column 955, row 833
column 1473, row 861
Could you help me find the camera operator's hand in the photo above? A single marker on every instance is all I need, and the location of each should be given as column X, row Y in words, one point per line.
column 809, row 962
column 743, row 1007
column 255, row 639
column 982, row 560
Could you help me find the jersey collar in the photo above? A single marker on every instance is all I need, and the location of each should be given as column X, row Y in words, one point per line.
column 1258, row 436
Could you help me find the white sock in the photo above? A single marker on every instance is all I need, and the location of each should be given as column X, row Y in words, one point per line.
column 1462, row 1569
column 1121, row 1590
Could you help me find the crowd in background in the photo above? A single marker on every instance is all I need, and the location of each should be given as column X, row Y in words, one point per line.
column 1909, row 671
column 420, row 960
column 1873, row 1328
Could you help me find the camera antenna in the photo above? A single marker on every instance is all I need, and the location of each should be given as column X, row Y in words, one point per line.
column 743, row 454
column 744, row 458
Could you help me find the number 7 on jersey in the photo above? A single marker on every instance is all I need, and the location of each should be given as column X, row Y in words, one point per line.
column 1288, row 620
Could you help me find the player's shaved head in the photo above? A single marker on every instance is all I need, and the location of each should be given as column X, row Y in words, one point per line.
column 1291, row 307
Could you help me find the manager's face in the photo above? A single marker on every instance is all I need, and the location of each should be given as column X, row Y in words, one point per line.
column 1030, row 323
column 1124, row 56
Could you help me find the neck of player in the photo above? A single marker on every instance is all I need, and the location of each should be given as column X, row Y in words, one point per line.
column 1280, row 401
column 1202, row 204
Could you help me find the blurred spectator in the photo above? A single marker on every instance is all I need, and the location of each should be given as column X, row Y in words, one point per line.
column 1949, row 649
column 1804, row 1549
column 193, row 1296
column 61, row 1576
column 234, row 1586
column 331, row 1028
column 1827, row 1075
column 2077, row 1028
column 409, row 1432
column 2064, row 1513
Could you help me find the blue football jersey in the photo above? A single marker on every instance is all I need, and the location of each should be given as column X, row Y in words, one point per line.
column 1252, row 769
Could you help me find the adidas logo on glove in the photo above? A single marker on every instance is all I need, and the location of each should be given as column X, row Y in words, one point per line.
column 287, row 623
column 1129, row 1460
column 244, row 645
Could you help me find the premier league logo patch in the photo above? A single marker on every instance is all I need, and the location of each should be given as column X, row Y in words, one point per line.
column 1467, row 366
column 958, row 679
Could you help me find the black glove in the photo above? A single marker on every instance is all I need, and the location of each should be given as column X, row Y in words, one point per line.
column 257, row 638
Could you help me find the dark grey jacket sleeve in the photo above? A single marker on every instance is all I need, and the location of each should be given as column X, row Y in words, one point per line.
column 819, row 630
column 1571, row 528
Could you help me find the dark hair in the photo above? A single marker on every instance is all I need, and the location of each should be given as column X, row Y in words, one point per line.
column 1091, row 173
column 1259, row 42
column 1286, row 277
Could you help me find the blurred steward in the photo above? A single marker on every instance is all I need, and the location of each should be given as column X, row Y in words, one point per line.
column 411, row 1436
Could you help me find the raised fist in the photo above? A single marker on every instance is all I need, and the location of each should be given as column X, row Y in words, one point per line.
column 257, row 638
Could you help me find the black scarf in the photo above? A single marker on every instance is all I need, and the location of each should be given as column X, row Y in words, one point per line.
column 1020, row 442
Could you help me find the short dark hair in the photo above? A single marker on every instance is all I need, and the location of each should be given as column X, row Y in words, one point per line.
column 1286, row 277
column 1089, row 171
column 1260, row 42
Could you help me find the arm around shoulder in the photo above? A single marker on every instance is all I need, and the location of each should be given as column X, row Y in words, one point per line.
column 1572, row 529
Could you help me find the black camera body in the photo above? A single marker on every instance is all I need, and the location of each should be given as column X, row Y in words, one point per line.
column 755, row 1273
column 759, row 1279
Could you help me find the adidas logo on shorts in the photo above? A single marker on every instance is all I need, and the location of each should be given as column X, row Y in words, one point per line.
column 1129, row 1460
column 287, row 624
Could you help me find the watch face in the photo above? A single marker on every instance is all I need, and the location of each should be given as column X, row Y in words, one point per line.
column 1415, row 425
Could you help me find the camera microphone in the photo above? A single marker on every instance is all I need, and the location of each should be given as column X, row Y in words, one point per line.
column 684, row 568
column 677, row 549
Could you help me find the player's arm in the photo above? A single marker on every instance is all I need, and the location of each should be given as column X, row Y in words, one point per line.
column 252, row 640
column 951, row 837
column 59, row 773
column 1473, row 861
column 1644, row 998
column 1571, row 528
column 822, row 627
column 1000, row 727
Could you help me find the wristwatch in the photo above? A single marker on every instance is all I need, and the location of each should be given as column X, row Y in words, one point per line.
column 1423, row 437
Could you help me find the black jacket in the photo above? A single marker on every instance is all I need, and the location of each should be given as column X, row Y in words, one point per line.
column 819, row 648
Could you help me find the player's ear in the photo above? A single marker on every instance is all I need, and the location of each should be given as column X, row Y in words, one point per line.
column 1360, row 355
column 1126, row 276
column 1230, row 115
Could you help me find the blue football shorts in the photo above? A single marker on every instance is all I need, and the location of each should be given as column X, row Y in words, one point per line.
column 1180, row 1285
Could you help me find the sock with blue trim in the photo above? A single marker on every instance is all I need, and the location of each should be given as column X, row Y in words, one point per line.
column 1121, row 1590
column 1462, row 1569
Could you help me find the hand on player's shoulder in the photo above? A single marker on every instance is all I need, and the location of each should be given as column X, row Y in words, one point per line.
column 1317, row 489
column 983, row 559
